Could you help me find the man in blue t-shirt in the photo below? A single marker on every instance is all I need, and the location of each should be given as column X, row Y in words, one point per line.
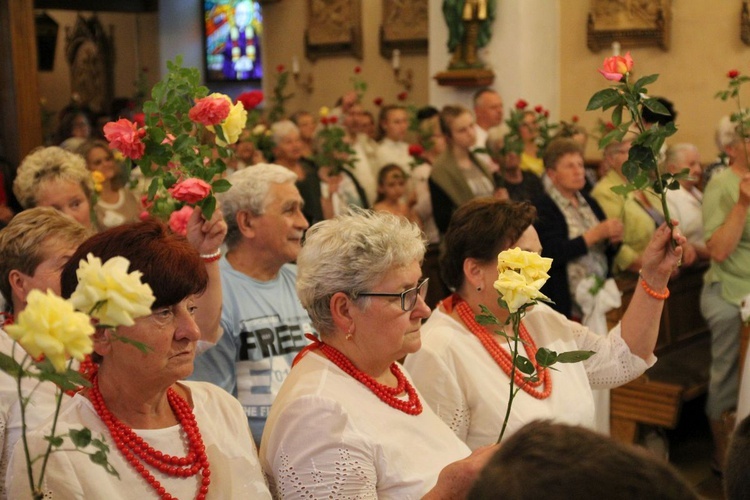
column 263, row 321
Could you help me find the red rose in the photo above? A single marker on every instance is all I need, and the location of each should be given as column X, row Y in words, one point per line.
column 145, row 203
column 609, row 126
column 521, row 104
column 333, row 119
column 125, row 136
column 575, row 119
column 733, row 73
column 144, row 216
column 190, row 190
column 378, row 101
column 402, row 96
column 140, row 119
column 538, row 108
column 250, row 99
column 416, row 150
column 324, row 120
column 178, row 220
column 210, row 110
column 546, row 113
column 357, row 70
column 280, row 68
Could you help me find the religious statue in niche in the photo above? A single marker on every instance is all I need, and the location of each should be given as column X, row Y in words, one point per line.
column 469, row 29
column 88, row 50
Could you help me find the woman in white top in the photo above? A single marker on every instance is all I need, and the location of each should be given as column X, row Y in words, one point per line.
column 463, row 367
column 347, row 421
column 197, row 442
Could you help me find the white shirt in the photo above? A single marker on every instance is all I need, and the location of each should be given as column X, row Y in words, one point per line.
column 329, row 435
column 393, row 152
column 420, row 177
column 235, row 471
column 685, row 206
column 469, row 391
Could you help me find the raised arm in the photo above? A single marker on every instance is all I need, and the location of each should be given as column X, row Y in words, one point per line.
column 206, row 236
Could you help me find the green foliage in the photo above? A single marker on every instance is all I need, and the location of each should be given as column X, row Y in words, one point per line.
column 279, row 97
column 333, row 151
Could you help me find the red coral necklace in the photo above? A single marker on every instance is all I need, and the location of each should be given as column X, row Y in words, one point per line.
column 388, row 395
column 133, row 446
column 503, row 357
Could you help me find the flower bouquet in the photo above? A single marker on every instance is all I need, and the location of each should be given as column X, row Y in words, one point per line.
column 52, row 332
column 641, row 168
column 333, row 151
column 521, row 275
column 182, row 146
column 742, row 116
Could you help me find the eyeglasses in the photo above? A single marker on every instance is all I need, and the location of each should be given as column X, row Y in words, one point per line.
column 408, row 297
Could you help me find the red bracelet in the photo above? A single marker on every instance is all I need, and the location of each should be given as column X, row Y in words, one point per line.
column 658, row 296
column 211, row 257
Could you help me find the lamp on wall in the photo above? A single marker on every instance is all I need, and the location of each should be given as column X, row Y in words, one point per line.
column 407, row 81
column 305, row 82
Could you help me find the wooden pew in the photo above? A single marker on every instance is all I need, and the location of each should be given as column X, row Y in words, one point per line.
column 682, row 370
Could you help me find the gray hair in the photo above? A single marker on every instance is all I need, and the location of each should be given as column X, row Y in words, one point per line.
column 249, row 191
column 352, row 253
column 281, row 129
column 50, row 163
column 674, row 153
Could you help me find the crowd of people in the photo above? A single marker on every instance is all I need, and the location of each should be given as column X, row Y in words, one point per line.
column 319, row 331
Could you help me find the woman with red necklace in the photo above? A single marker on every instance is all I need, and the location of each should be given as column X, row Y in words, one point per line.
column 347, row 421
column 167, row 439
column 463, row 367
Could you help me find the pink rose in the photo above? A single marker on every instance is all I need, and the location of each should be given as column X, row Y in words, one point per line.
column 168, row 139
column 616, row 66
column 190, row 190
column 210, row 110
column 144, row 215
column 250, row 100
column 125, row 136
column 178, row 220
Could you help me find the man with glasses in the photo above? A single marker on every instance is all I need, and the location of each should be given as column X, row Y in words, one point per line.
column 263, row 321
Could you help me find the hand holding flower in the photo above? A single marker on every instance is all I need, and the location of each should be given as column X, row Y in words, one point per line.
column 661, row 257
column 206, row 235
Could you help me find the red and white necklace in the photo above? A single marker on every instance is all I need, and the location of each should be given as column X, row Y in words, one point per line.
column 388, row 395
column 133, row 446
column 500, row 355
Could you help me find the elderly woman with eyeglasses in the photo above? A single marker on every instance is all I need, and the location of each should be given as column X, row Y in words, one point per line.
column 348, row 422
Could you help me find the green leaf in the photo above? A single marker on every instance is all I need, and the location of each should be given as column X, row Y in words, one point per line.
column 617, row 115
column 630, row 169
column 220, row 133
column 10, row 366
column 655, row 106
column 574, row 356
column 643, row 81
column 153, row 188
column 544, row 357
column 485, row 319
column 60, row 379
column 208, row 205
column 603, row 99
column 623, row 189
column 100, row 458
column 56, row 441
column 221, row 185
column 524, row 365
column 81, row 438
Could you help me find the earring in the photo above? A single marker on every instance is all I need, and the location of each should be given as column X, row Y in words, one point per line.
column 349, row 336
column 479, row 288
column 350, row 333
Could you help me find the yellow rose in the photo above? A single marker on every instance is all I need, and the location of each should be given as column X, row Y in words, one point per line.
column 50, row 326
column 521, row 275
column 233, row 124
column 259, row 129
column 324, row 111
column 98, row 179
column 114, row 296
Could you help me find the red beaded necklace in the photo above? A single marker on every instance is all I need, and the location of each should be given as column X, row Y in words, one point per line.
column 388, row 395
column 133, row 446
column 501, row 356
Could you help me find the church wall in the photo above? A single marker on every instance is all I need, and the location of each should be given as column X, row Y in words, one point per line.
column 705, row 44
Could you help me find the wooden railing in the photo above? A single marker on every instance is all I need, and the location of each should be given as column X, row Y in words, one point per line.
column 681, row 372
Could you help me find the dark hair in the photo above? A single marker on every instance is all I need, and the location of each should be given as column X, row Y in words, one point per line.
column 170, row 265
column 427, row 112
column 447, row 115
column 480, row 229
column 651, row 117
column 383, row 173
column 558, row 462
column 736, row 478
column 558, row 148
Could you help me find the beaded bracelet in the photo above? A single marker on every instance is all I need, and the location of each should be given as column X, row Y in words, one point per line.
column 211, row 257
column 658, row 296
